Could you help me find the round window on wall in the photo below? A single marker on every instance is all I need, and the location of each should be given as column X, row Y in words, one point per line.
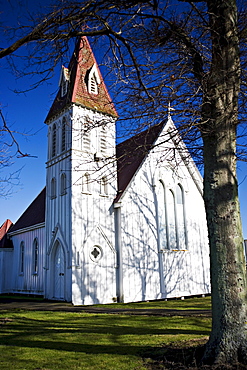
column 96, row 253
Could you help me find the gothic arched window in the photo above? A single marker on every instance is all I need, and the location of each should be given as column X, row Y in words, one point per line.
column 54, row 141
column 103, row 143
column 22, row 258
column 63, row 138
column 93, row 80
column 171, row 213
column 53, row 188
column 87, row 135
column 35, row 255
column 63, row 184
column 181, row 223
column 64, row 80
column 162, row 216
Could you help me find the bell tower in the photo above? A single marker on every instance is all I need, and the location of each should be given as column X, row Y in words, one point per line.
column 81, row 177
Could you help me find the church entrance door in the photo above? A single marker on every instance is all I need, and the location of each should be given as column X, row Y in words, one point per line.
column 59, row 273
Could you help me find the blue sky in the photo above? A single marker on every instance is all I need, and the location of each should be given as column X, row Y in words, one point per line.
column 25, row 114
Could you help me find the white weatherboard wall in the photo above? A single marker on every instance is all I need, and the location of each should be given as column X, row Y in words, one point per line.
column 93, row 275
column 151, row 267
column 6, row 267
column 58, row 211
column 28, row 281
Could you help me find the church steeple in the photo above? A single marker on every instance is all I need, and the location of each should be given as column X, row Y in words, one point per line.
column 82, row 83
column 80, row 174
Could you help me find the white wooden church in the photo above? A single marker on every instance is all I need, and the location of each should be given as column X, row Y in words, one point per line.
column 114, row 223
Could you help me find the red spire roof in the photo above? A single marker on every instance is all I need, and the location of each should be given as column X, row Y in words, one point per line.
column 78, row 92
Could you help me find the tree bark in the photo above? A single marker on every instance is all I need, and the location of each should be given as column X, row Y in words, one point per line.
column 227, row 343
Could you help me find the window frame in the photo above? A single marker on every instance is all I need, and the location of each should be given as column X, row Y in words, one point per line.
column 103, row 141
column 180, row 201
column 53, row 188
column 87, row 135
column 63, row 135
column 63, row 188
column 93, row 81
column 35, row 256
column 22, row 258
column 54, row 141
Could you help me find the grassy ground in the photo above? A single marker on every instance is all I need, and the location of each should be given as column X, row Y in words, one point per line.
column 174, row 304
column 56, row 340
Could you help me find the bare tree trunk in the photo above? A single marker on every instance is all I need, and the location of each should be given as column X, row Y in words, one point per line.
column 227, row 343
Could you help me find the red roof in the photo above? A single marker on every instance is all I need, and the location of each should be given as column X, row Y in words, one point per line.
column 4, row 228
column 4, row 241
column 80, row 65
column 131, row 153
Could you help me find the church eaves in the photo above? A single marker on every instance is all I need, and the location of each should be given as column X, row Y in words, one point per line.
column 78, row 90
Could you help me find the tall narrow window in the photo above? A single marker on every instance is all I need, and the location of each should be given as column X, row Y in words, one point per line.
column 103, row 143
column 64, row 80
column 181, row 225
column 64, row 87
column 171, row 211
column 162, row 216
column 54, row 141
column 63, row 138
column 22, row 256
column 86, row 183
column 87, row 135
column 35, row 256
column 63, row 184
column 53, row 188
column 93, row 80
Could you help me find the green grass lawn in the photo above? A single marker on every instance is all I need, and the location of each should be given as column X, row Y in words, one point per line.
column 194, row 303
column 58, row 340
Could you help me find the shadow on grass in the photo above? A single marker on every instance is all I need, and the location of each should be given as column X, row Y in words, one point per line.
column 97, row 334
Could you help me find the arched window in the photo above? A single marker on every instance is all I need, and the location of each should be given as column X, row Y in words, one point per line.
column 103, row 143
column 87, row 135
column 162, row 216
column 104, row 186
column 64, row 87
column 22, row 258
column 181, row 224
column 35, row 256
column 63, row 184
column 54, row 141
column 171, row 212
column 63, row 138
column 53, row 188
column 93, row 80
column 63, row 82
column 86, row 183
